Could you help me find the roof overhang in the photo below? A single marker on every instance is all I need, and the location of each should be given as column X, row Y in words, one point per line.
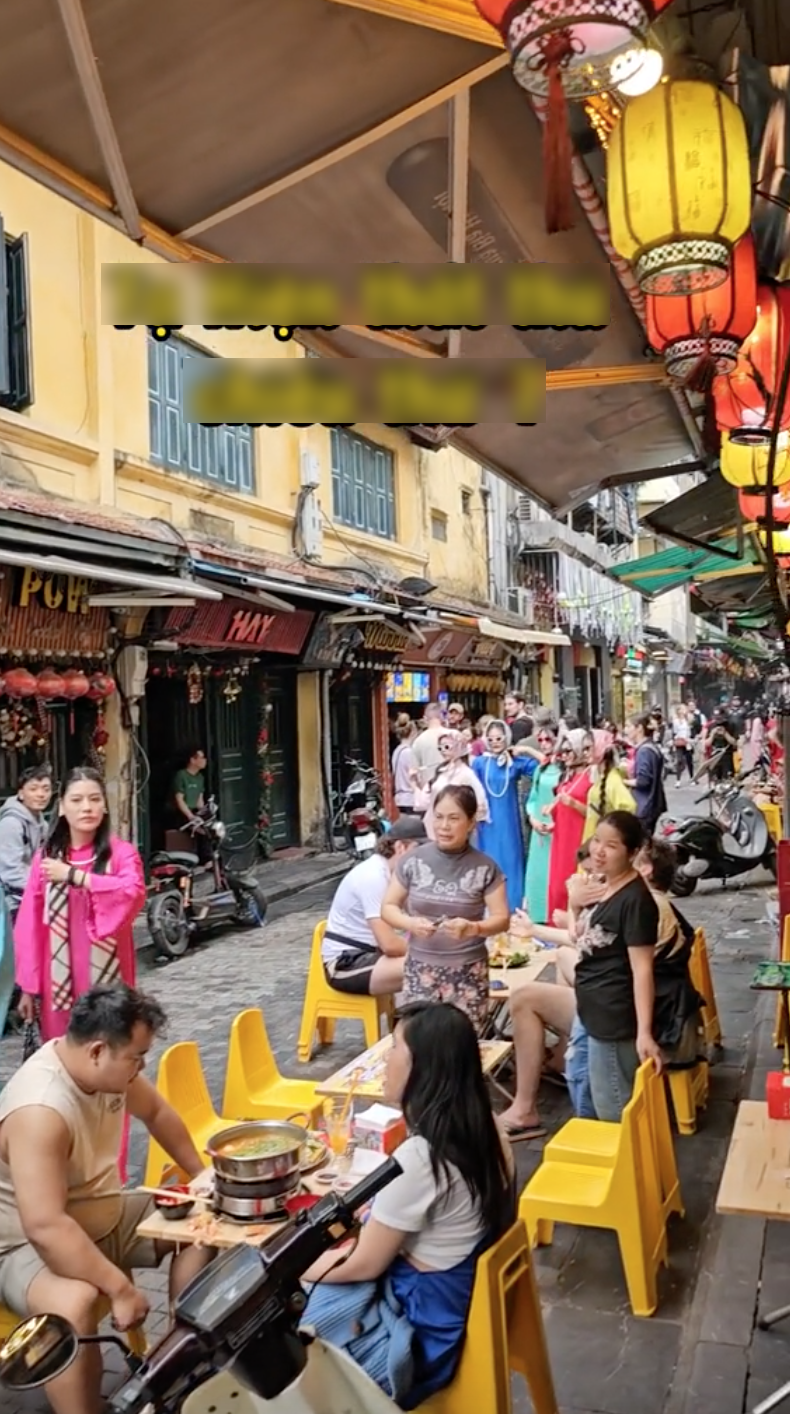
column 707, row 513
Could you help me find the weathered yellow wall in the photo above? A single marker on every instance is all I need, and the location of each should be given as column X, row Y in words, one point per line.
column 86, row 438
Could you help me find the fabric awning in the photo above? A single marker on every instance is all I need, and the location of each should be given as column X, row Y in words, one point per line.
column 653, row 575
column 158, row 584
column 523, row 636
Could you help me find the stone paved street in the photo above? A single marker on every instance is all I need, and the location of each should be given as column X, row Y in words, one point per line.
column 700, row 1351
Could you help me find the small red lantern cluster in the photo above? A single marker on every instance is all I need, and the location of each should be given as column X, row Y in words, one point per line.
column 744, row 401
column 51, row 685
column 700, row 334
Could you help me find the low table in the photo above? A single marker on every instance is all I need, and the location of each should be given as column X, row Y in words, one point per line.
column 366, row 1074
column 756, row 1184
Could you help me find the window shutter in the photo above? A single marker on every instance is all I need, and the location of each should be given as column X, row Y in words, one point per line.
column 18, row 315
column 5, row 361
column 222, row 455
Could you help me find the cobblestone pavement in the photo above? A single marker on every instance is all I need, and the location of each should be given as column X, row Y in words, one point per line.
column 700, row 1348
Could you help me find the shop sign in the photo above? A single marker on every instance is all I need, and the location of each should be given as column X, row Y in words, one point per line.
column 441, row 649
column 53, row 591
column 485, row 653
column 382, row 638
column 234, row 623
column 42, row 614
column 329, row 643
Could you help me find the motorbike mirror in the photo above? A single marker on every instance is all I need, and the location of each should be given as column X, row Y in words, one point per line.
column 39, row 1350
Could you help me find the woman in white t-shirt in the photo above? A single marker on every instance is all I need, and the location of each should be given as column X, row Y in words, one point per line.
column 399, row 1301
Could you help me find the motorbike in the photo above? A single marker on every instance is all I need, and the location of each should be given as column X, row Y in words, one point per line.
column 728, row 842
column 178, row 911
column 237, row 1344
column 361, row 818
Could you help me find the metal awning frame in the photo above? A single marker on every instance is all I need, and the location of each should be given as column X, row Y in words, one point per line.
column 162, row 586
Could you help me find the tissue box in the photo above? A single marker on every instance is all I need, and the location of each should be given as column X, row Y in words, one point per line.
column 380, row 1128
column 777, row 1093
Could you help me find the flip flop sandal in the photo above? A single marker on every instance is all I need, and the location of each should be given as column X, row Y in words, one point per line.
column 525, row 1132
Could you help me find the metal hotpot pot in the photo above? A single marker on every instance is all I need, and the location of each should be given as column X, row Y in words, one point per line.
column 248, row 1186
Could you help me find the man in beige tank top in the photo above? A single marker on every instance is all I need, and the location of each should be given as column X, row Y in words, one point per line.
column 67, row 1230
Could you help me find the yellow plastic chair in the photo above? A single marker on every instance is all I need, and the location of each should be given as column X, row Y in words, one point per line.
column 135, row 1339
column 689, row 1090
column 597, row 1143
column 254, row 1087
column 624, row 1197
column 323, row 1006
column 779, row 1024
column 504, row 1332
column 699, row 970
column 773, row 819
column 181, row 1082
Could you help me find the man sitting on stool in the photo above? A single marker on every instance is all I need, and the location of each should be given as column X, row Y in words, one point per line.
column 361, row 953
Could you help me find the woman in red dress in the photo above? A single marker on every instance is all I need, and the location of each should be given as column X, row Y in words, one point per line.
column 569, row 813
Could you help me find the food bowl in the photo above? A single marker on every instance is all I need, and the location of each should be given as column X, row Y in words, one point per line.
column 177, row 1207
column 258, row 1150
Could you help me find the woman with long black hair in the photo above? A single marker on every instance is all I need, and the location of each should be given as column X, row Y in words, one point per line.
column 405, row 1287
column 74, row 926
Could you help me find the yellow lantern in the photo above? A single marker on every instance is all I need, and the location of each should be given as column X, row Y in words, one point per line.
column 679, row 186
column 747, row 467
column 780, row 541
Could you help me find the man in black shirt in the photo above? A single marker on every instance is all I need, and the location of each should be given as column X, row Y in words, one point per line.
column 723, row 736
column 517, row 718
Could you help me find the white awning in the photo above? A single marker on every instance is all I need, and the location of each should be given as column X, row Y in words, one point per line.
column 522, row 636
column 130, row 579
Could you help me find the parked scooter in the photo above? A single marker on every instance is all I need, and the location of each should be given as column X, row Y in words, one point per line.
column 178, row 912
column 361, row 817
column 722, row 845
column 241, row 1317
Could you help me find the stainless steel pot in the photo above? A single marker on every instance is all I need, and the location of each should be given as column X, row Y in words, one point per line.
column 254, row 1169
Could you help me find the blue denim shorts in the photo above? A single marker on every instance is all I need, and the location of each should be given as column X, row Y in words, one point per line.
column 577, row 1072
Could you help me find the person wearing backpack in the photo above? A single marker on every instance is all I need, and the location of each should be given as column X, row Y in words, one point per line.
column 647, row 782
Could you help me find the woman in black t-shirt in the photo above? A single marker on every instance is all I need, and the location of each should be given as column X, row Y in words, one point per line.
column 616, row 941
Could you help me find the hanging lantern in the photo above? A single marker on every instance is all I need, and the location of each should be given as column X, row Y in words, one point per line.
column 101, row 687
column 564, row 49
column 20, row 683
column 700, row 335
column 75, row 684
column 49, row 685
column 744, row 400
column 679, row 186
column 780, row 540
column 753, row 507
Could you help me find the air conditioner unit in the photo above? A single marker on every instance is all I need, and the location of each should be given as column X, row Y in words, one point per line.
column 310, row 470
column 522, row 602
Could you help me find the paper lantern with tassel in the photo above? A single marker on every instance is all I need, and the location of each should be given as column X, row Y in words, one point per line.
column 700, row 335
column 20, row 683
column 49, row 685
column 559, row 50
column 747, row 467
column 679, row 186
column 753, row 505
column 744, row 400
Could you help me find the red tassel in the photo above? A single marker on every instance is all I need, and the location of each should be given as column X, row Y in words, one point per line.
column 557, row 146
column 701, row 376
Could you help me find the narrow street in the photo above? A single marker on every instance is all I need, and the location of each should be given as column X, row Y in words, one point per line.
column 604, row 1360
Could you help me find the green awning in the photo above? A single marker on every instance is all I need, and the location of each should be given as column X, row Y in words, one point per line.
column 657, row 574
column 738, row 647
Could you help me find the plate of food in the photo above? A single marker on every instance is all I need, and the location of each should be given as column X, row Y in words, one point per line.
column 510, row 960
column 314, row 1153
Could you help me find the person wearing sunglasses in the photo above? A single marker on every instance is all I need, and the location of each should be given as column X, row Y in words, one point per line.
column 539, row 813
column 568, row 812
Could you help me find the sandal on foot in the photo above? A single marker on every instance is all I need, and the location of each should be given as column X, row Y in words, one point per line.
column 518, row 1132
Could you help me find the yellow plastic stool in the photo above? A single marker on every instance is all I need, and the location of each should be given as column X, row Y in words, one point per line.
column 135, row 1339
column 773, row 819
column 595, row 1142
column 624, row 1197
column 254, row 1087
column 504, row 1332
column 689, row 1090
column 699, row 970
column 323, row 1006
column 182, row 1083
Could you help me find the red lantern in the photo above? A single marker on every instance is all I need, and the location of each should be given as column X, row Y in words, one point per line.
column 563, row 49
column 753, row 507
column 20, row 683
column 700, row 335
column 75, row 684
column 744, row 400
column 101, row 687
column 50, row 684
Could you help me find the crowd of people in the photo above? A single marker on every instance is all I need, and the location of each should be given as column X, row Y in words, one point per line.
column 520, row 824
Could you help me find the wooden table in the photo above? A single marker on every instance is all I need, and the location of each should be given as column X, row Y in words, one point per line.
column 366, row 1073
column 227, row 1232
column 515, row 977
column 756, row 1178
column 756, row 1184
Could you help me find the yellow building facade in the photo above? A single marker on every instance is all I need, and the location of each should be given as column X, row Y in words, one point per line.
column 86, row 438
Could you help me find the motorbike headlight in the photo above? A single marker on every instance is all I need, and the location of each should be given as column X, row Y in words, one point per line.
column 219, row 830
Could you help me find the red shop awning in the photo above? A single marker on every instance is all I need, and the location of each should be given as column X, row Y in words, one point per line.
column 236, row 624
